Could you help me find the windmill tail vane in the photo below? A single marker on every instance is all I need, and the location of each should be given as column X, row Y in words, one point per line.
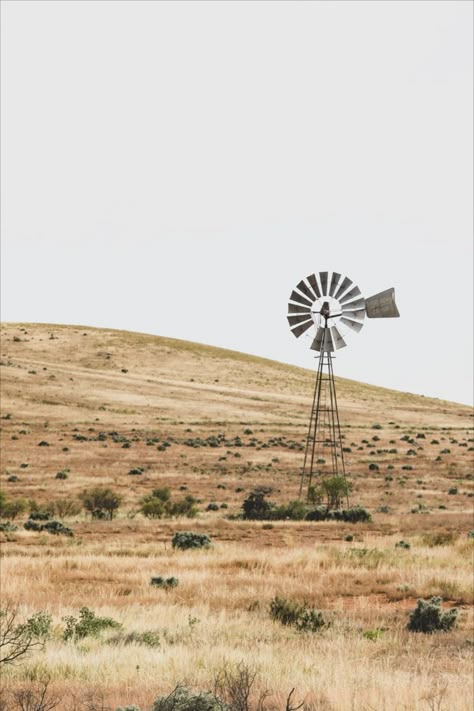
column 328, row 306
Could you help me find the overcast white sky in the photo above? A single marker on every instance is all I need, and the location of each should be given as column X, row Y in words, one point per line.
column 177, row 167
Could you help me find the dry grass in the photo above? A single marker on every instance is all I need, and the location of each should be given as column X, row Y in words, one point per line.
column 219, row 611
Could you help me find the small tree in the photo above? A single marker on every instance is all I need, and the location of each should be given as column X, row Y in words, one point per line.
column 102, row 500
column 17, row 639
column 11, row 508
column 336, row 489
column 256, row 507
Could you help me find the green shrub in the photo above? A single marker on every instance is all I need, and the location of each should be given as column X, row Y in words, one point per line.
column 8, row 527
column 128, row 708
column 87, row 625
column 184, row 540
column 103, row 500
column 39, row 515
column 11, row 508
column 374, row 634
column 294, row 511
column 39, row 625
column 149, row 638
column 57, row 528
column 181, row 699
column 373, row 467
column 453, row 490
column 62, row 475
column 212, row 507
column 402, row 544
column 12, row 478
column 256, row 507
column 30, row 525
column 356, row 514
column 295, row 614
column 428, row 617
column 165, row 583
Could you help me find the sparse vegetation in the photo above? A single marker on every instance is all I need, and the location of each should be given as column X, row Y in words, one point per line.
column 428, row 617
column 185, row 540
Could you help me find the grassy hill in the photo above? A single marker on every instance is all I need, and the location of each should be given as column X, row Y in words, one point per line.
column 134, row 412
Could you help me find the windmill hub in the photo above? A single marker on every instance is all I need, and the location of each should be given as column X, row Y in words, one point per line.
column 327, row 306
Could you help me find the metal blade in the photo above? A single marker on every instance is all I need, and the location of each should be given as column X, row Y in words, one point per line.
column 304, row 288
column 350, row 295
column 339, row 342
column 354, row 325
column 328, row 344
column 294, row 309
column 293, row 320
column 360, row 314
column 334, row 279
column 357, row 304
column 382, row 305
column 298, row 330
column 323, row 278
column 314, row 285
column 346, row 282
column 317, row 343
column 294, row 296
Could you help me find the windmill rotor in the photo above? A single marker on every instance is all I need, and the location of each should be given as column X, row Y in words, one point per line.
column 333, row 302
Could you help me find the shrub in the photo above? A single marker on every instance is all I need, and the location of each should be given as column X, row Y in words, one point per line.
column 62, row 475
column 453, row 490
column 64, row 508
column 295, row 511
column 18, row 639
column 8, row 527
column 165, row 583
column 184, row 540
column 137, row 471
column 57, row 528
column 12, row 478
column 335, row 488
column 373, row 467
column 128, row 708
column 428, row 617
column 11, row 508
column 356, row 514
column 39, row 625
column 159, row 504
column 349, row 538
column 320, row 513
column 87, row 625
column 402, row 544
column 39, row 515
column 470, row 534
column 101, row 499
column 256, row 507
column 374, row 634
column 32, row 525
column 298, row 615
column 181, row 699
column 212, row 507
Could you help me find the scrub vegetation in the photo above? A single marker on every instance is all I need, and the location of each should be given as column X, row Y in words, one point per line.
column 173, row 566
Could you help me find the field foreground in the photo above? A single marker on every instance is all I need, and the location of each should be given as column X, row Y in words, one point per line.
column 216, row 424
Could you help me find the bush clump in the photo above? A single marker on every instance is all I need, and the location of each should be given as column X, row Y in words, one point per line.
column 158, row 504
column 182, row 699
column 165, row 583
column 183, row 540
column 428, row 617
column 295, row 614
column 87, row 625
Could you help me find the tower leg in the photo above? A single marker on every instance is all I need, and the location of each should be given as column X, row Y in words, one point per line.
column 324, row 456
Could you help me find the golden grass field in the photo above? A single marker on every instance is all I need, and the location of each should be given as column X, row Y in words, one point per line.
column 65, row 385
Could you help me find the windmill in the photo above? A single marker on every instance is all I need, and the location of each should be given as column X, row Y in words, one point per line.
column 328, row 306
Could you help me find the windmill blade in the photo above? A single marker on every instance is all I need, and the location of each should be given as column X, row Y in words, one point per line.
column 338, row 340
column 294, row 320
column 314, row 285
column 354, row 325
column 322, row 334
column 382, row 305
column 354, row 305
column 360, row 314
column 304, row 288
column 350, row 295
column 345, row 284
column 323, row 278
column 294, row 296
column 334, row 279
column 295, row 309
column 328, row 343
column 298, row 330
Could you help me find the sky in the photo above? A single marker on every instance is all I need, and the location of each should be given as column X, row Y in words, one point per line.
column 176, row 168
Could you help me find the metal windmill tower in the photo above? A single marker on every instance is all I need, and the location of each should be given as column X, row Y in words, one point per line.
column 331, row 305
